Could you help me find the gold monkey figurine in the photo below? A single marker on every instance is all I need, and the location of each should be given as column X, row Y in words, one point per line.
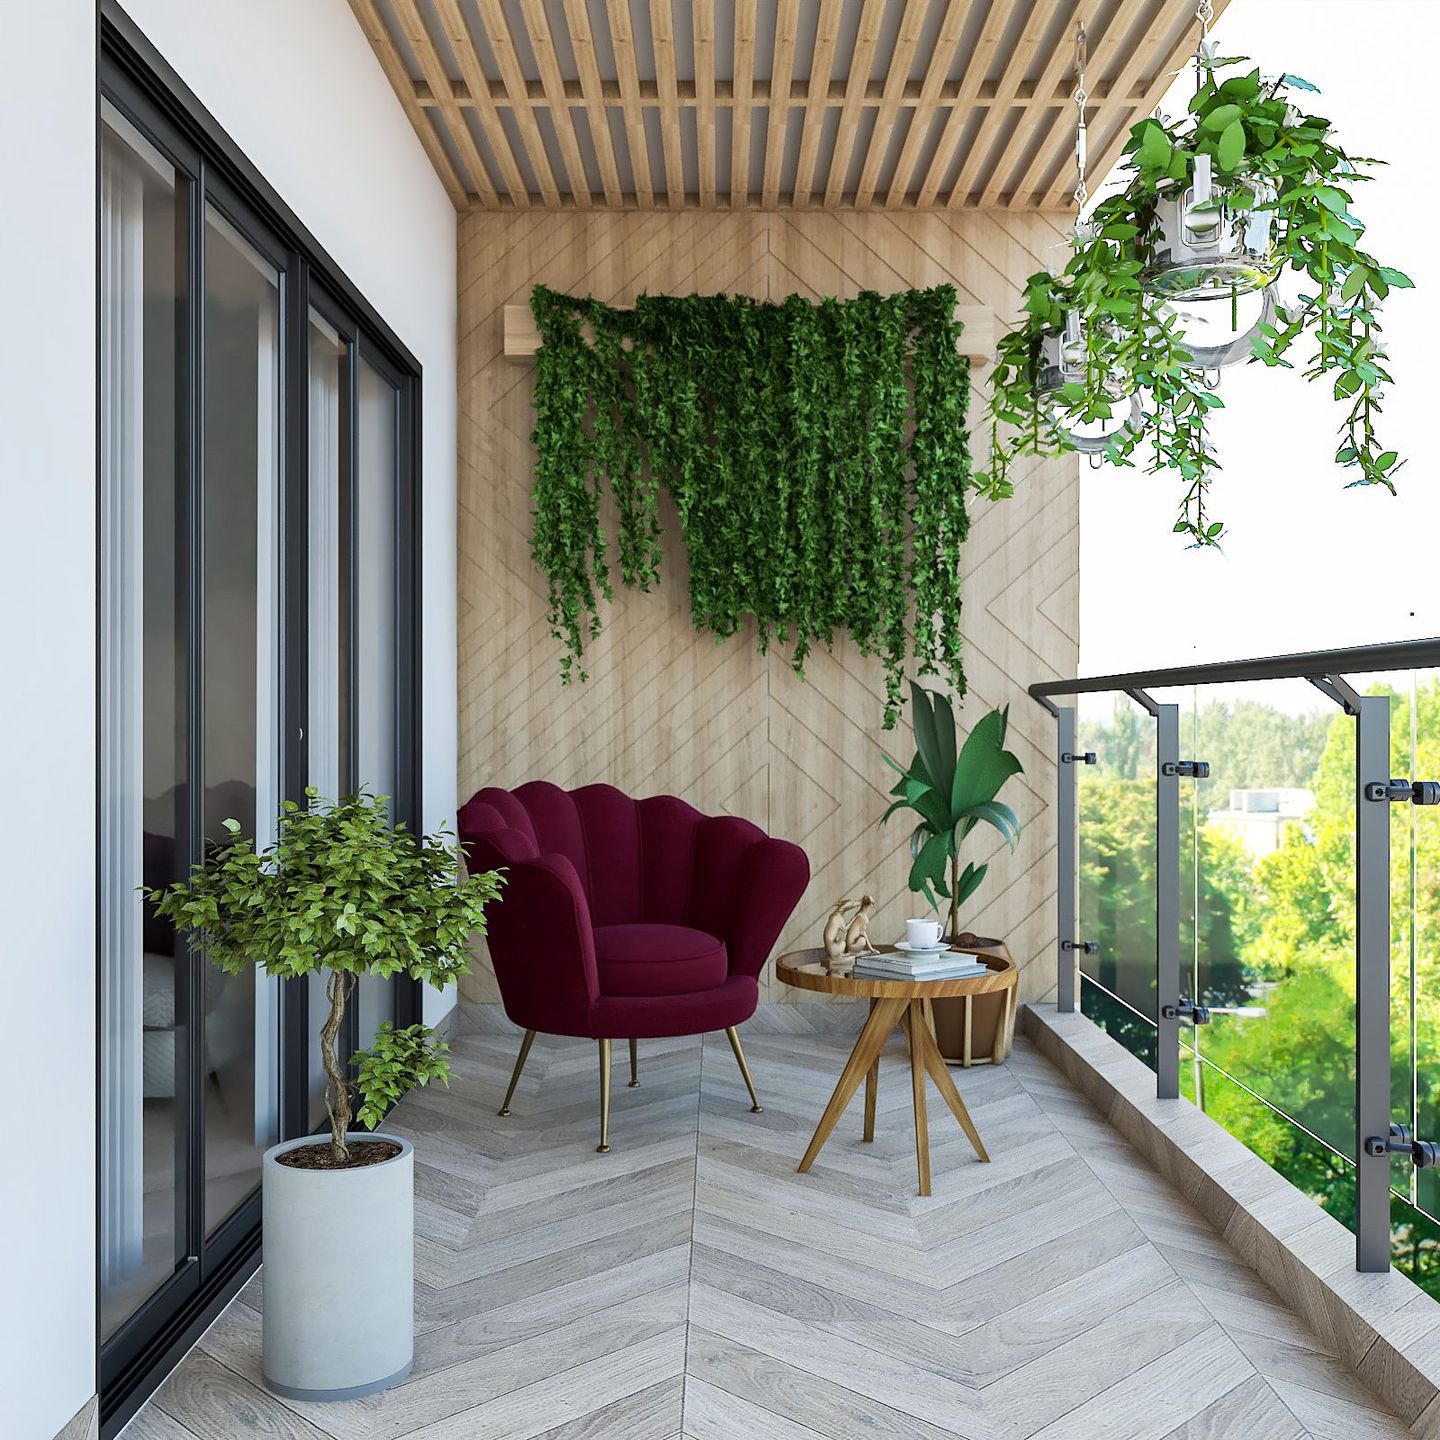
column 835, row 926
column 857, row 935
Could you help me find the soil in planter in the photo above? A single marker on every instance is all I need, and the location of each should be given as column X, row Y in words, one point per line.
column 319, row 1157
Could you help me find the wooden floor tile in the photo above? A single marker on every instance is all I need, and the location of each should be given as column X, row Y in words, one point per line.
column 690, row 1285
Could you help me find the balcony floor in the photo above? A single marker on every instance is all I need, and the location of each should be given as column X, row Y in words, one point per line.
column 691, row 1283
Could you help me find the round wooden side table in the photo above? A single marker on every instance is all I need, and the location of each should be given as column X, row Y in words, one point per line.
column 904, row 1003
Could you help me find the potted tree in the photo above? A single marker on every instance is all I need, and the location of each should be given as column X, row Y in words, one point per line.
column 952, row 788
column 344, row 892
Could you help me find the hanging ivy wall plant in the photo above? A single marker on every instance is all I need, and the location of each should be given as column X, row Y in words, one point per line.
column 1282, row 195
column 816, row 455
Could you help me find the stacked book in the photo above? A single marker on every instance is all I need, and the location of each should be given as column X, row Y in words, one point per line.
column 940, row 964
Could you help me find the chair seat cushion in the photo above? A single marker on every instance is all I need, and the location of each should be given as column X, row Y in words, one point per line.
column 640, row 960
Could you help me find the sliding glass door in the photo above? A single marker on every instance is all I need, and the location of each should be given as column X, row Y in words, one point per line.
column 256, row 623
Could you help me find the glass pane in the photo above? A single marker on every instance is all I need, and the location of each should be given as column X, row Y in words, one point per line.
column 1415, row 948
column 375, row 691
column 326, row 727
column 1272, row 945
column 1117, row 868
column 144, row 1043
column 240, row 485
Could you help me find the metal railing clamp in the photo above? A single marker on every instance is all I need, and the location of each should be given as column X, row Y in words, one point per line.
column 1089, row 947
column 1397, row 792
column 1187, row 1009
column 1195, row 769
column 1424, row 1154
column 1069, row 757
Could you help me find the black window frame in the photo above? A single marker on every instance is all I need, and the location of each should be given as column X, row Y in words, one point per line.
column 136, row 79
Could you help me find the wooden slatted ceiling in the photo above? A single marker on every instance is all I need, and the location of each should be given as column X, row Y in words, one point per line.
column 840, row 104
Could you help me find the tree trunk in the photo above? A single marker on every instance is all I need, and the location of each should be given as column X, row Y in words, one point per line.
column 337, row 1089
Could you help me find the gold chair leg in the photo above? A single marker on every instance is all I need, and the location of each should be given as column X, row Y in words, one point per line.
column 525, row 1045
column 733, row 1034
column 634, row 1066
column 604, row 1146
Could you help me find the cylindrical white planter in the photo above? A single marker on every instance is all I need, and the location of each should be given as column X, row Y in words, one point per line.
column 339, row 1274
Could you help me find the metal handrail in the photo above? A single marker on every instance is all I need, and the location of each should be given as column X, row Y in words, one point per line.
column 1399, row 655
column 1375, row 791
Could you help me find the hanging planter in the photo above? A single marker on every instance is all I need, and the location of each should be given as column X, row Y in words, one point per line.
column 1181, row 273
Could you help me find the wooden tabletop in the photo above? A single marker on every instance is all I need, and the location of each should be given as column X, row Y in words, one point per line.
column 810, row 970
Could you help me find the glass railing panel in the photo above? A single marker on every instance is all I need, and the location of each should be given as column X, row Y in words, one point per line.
column 1271, row 946
column 1116, row 811
column 1414, row 932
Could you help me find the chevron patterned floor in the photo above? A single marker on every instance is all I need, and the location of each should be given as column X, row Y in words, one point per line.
column 691, row 1286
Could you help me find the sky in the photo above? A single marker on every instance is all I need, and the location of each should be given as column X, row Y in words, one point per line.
column 1307, row 564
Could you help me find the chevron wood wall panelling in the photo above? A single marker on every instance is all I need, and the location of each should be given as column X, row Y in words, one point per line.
column 856, row 104
column 668, row 709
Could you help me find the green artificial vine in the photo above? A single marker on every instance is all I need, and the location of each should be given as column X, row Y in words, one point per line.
column 816, row 456
column 1270, row 159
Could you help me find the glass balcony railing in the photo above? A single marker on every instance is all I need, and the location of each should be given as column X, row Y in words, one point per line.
column 1226, row 859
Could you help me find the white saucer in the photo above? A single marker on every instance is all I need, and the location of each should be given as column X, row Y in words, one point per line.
column 939, row 948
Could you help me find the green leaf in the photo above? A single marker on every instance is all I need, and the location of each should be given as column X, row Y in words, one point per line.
column 930, row 864
column 1230, row 150
column 1001, row 816
column 1154, row 152
column 1221, row 117
column 968, row 882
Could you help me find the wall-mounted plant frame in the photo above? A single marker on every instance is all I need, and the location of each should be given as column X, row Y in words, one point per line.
column 816, row 454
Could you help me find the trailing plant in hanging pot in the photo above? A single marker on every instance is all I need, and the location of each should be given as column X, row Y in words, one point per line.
column 342, row 893
column 1246, row 188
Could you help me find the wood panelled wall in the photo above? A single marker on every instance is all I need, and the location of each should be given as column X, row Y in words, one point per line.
column 669, row 710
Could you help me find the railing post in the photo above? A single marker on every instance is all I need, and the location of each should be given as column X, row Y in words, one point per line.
column 1372, row 982
column 1167, row 900
column 1067, row 846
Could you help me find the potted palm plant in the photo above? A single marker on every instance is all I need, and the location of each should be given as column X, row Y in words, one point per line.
column 952, row 788
column 346, row 893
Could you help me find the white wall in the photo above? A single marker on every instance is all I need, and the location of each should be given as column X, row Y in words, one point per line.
column 299, row 90
column 1307, row 564
column 47, row 720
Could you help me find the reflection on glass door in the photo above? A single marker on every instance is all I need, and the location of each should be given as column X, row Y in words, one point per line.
column 376, row 701
column 144, row 1037
column 240, row 498
column 327, row 651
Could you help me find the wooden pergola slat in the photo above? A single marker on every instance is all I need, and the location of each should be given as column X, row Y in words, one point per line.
column 703, row 22
column 390, row 61
column 533, row 17
column 622, row 44
column 461, row 42
column 847, row 134
column 1036, row 27
column 907, row 40
column 582, row 43
column 1060, row 138
column 787, row 24
column 744, row 70
column 977, row 66
column 1005, row 99
column 497, row 31
column 952, row 26
column 812, row 118
column 662, row 38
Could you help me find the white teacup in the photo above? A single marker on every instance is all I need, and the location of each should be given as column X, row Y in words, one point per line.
column 923, row 932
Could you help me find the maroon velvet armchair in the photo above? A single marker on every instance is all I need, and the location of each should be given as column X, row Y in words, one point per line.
column 627, row 919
